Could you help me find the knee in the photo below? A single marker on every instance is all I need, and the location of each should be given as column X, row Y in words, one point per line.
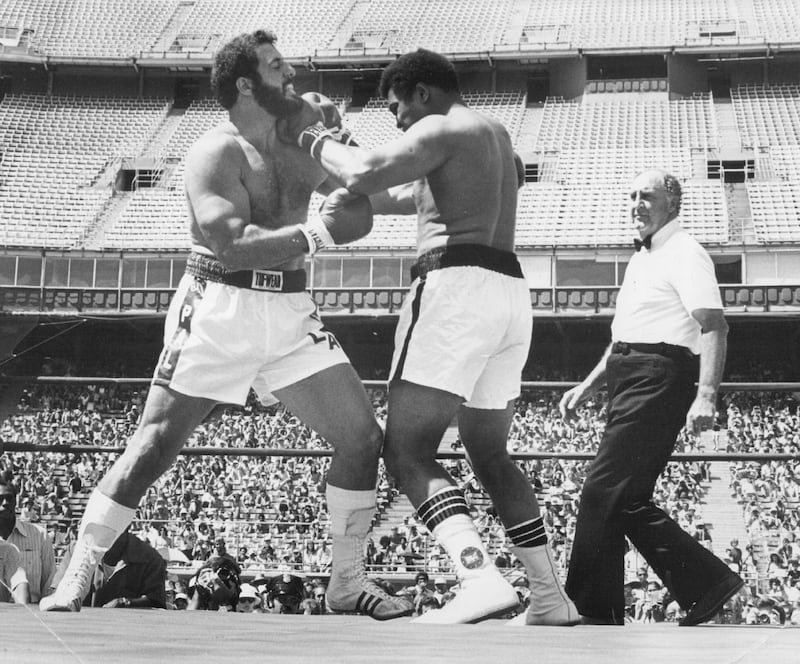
column 493, row 468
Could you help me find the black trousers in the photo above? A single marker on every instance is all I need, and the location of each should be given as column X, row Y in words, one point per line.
column 649, row 396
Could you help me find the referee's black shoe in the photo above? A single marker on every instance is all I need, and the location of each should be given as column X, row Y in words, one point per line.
column 705, row 608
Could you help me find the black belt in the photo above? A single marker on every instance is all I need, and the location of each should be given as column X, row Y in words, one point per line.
column 276, row 281
column 667, row 350
column 478, row 255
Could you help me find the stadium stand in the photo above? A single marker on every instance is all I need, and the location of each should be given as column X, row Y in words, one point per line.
column 61, row 157
column 767, row 115
column 55, row 152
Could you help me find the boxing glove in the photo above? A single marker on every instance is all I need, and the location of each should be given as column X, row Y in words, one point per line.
column 315, row 109
column 343, row 217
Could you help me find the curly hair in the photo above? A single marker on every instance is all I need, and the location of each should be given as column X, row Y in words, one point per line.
column 420, row 66
column 234, row 60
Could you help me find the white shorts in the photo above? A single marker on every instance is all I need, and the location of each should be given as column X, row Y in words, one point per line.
column 465, row 330
column 219, row 341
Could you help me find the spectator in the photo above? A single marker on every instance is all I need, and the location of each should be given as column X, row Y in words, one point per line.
column 440, row 591
column 215, row 586
column 12, row 574
column 131, row 575
column 31, row 541
column 181, row 601
column 284, row 594
column 249, row 600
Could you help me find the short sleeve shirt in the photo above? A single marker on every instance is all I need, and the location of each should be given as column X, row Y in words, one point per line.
column 662, row 286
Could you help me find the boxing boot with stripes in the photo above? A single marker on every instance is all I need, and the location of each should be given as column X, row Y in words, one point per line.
column 483, row 591
column 549, row 603
column 349, row 589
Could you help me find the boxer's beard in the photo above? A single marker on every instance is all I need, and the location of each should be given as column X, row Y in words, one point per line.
column 274, row 100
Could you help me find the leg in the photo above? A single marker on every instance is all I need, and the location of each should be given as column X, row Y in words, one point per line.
column 333, row 403
column 167, row 421
column 418, row 418
column 485, row 436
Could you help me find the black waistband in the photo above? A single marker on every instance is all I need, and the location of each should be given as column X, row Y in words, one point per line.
column 667, row 350
column 478, row 255
column 276, row 281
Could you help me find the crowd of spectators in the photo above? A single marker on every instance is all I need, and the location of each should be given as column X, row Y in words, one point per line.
column 269, row 512
column 769, row 495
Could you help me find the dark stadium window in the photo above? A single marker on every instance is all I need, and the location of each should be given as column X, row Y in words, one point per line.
column 728, row 269
column 56, row 271
column 531, row 172
column 158, row 273
column 179, row 267
column 621, row 267
column 131, row 180
column 731, row 171
column 355, row 272
column 29, row 271
column 623, row 67
column 80, row 272
column 328, row 273
column 537, row 87
column 186, row 91
column 386, row 272
column 584, row 273
column 406, row 271
column 106, row 273
column 133, row 272
column 8, row 265
column 364, row 88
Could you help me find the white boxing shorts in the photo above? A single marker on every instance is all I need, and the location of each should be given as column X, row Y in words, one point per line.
column 220, row 340
column 466, row 326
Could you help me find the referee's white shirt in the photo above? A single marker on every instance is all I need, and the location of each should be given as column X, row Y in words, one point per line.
column 37, row 557
column 662, row 286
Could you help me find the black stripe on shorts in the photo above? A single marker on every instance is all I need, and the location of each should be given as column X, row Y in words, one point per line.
column 415, row 306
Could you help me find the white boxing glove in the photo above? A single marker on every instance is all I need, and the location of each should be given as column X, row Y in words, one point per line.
column 344, row 217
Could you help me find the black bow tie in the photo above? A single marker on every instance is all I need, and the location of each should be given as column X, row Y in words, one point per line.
column 643, row 243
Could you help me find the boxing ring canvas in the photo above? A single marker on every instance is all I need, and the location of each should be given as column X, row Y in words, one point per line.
column 107, row 636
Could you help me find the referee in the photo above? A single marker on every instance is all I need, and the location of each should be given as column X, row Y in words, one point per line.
column 668, row 313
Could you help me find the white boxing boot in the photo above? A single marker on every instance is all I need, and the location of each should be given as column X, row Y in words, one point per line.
column 103, row 522
column 549, row 603
column 484, row 592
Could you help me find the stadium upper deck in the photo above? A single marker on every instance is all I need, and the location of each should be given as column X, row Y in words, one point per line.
column 96, row 116
column 142, row 28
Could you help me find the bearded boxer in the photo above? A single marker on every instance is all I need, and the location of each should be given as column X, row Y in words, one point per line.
column 241, row 318
column 465, row 330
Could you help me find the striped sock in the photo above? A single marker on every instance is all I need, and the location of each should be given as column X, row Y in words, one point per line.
column 441, row 505
column 528, row 534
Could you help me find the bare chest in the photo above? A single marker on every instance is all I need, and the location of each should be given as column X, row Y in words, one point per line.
column 280, row 184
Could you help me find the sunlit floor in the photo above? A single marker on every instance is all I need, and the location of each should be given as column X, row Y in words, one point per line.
column 102, row 636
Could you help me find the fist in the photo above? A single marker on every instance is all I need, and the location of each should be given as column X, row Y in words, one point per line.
column 346, row 216
column 313, row 109
column 331, row 117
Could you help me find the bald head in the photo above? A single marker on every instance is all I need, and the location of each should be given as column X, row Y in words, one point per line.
column 655, row 200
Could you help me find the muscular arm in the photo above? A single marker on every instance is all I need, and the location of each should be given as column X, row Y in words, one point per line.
column 222, row 210
column 713, row 349
column 422, row 149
